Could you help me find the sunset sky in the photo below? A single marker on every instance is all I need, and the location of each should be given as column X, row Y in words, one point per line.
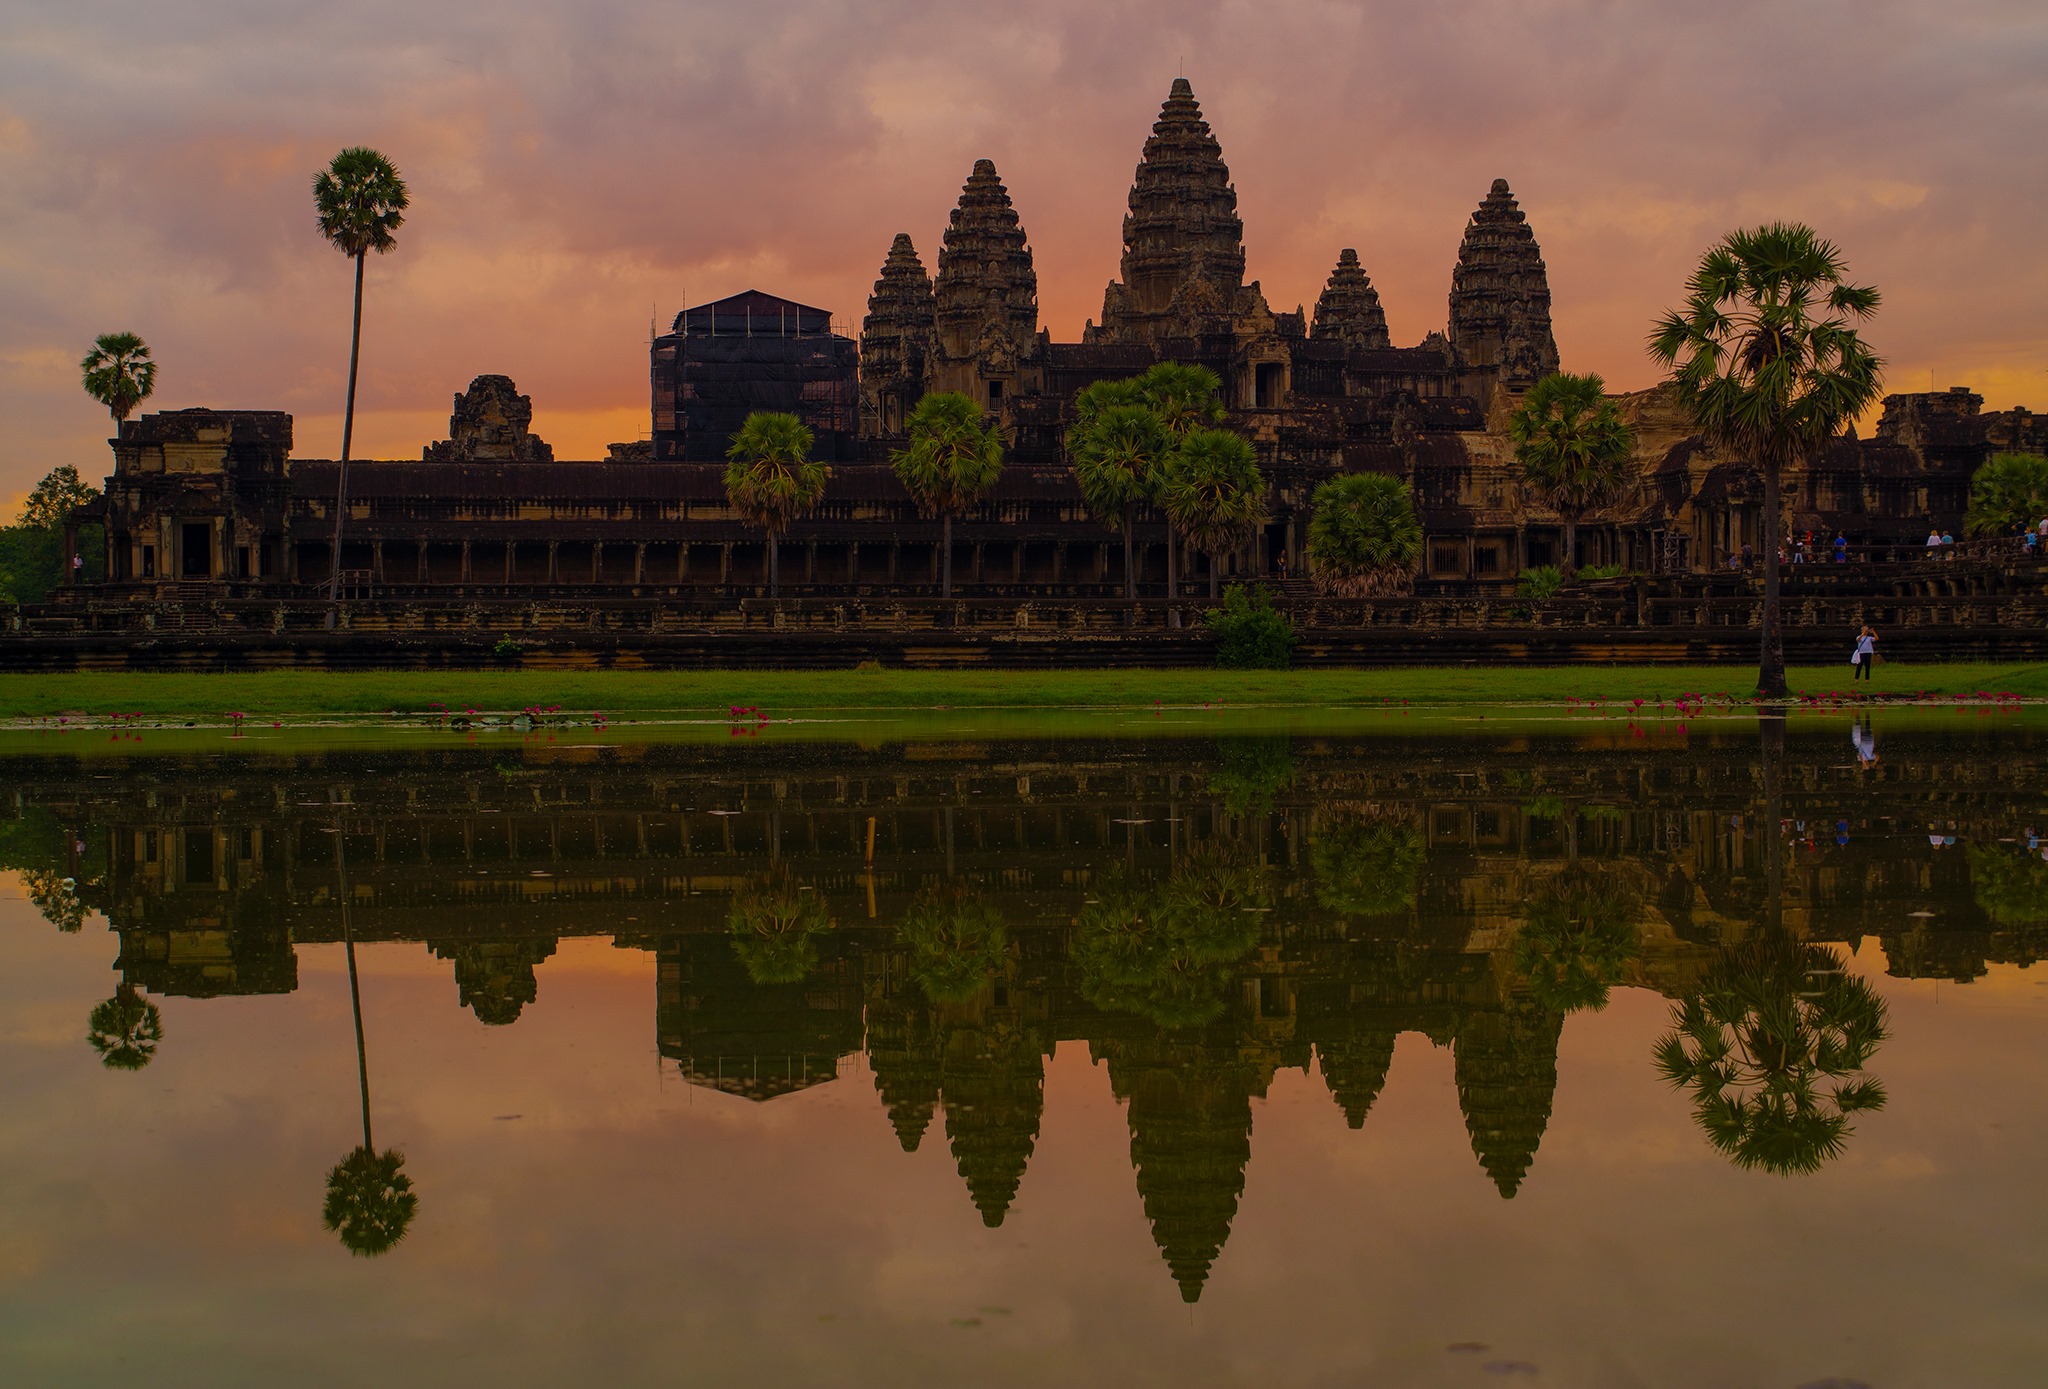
column 576, row 169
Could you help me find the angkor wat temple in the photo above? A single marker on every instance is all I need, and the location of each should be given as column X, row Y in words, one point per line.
column 209, row 504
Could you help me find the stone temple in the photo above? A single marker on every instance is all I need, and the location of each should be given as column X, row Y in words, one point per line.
column 211, row 502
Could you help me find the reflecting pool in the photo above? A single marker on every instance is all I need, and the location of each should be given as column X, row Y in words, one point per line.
column 1586, row 1052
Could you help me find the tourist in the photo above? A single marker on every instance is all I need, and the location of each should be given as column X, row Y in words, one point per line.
column 1948, row 546
column 1865, row 739
column 1748, row 555
column 2042, row 531
column 1934, row 543
column 1283, row 566
column 1799, row 555
column 1865, row 655
column 1841, row 548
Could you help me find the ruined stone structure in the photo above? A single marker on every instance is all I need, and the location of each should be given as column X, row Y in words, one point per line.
column 490, row 424
column 208, row 504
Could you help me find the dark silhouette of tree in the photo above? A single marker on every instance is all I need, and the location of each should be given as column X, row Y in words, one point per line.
column 361, row 201
column 118, row 373
column 370, row 1201
column 1167, row 953
column 1774, row 1048
column 1767, row 362
column 1214, row 494
column 1118, row 452
column 1251, row 771
column 125, row 1030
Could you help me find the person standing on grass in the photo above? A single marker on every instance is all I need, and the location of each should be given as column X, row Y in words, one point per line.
column 1866, row 653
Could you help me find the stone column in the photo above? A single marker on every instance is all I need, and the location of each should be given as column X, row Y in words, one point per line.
column 554, row 555
column 467, row 570
column 639, row 563
column 511, row 554
column 725, row 564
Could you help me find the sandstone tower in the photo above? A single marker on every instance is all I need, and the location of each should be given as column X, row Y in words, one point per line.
column 1349, row 309
column 986, row 295
column 1183, row 262
column 896, row 341
column 1500, row 299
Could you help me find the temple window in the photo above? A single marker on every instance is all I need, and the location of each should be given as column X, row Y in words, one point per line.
column 995, row 395
column 1269, row 384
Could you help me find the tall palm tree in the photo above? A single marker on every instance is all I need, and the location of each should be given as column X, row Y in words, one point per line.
column 1767, row 362
column 125, row 1030
column 950, row 463
column 361, row 201
column 771, row 478
column 1118, row 453
column 118, row 373
column 370, row 1201
column 1214, row 494
column 1573, row 448
column 1363, row 536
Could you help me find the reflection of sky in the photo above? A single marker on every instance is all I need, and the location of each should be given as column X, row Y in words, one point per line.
column 164, row 1225
column 578, row 169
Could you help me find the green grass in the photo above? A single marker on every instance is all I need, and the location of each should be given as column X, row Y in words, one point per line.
column 295, row 696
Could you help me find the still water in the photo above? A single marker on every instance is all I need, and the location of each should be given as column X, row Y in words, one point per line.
column 1554, row 1055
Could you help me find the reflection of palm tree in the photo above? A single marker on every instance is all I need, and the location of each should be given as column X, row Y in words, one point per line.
column 957, row 941
column 1366, row 865
column 1755, row 1043
column 1166, row 953
column 370, row 1201
column 125, row 1030
column 1579, row 935
column 2011, row 887
column 775, row 923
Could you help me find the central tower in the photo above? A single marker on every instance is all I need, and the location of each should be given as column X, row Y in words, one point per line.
column 1183, row 240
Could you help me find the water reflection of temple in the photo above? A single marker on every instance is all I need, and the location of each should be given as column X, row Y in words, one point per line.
column 1394, row 892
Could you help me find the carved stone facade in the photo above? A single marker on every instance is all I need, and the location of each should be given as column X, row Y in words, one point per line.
column 1500, row 295
column 896, row 341
column 985, row 296
column 1349, row 310
column 491, row 423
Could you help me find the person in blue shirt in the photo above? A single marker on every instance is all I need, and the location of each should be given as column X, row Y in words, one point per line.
column 1841, row 548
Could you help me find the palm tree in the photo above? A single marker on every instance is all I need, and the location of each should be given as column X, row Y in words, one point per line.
column 957, row 941
column 952, row 460
column 1185, row 398
column 370, row 1201
column 119, row 373
column 2009, row 492
column 1367, row 865
column 1769, row 366
column 125, row 1030
column 361, row 201
column 774, row 923
column 1118, row 453
column 771, row 478
column 1754, row 1043
column 1214, row 494
column 1573, row 447
column 1579, row 935
column 1363, row 537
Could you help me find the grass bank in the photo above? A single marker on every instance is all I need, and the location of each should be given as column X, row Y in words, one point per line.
column 295, row 696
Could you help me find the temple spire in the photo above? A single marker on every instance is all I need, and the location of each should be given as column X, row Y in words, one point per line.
column 1500, row 296
column 986, row 292
column 1182, row 236
column 1349, row 310
column 896, row 340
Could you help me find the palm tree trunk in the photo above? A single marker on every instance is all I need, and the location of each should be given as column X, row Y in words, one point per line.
column 946, row 558
column 1130, row 564
column 1770, row 675
column 1571, row 548
column 1771, row 742
column 1172, row 584
column 774, row 567
column 1215, row 563
column 355, row 993
column 348, row 430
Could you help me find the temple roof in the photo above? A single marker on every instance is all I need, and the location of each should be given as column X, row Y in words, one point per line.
column 751, row 311
column 1500, row 293
column 1349, row 309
